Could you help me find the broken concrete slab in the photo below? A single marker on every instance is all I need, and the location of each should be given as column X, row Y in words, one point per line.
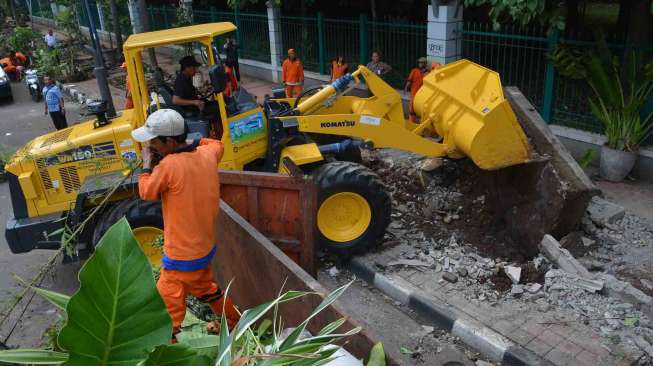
column 409, row 263
column 604, row 212
column 623, row 291
column 557, row 279
column 514, row 273
column 533, row 288
column 430, row 164
column 561, row 257
column 548, row 195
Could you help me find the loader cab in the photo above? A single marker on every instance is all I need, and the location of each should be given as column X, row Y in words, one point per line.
column 240, row 120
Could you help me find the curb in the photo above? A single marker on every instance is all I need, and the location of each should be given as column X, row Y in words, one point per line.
column 483, row 339
column 73, row 93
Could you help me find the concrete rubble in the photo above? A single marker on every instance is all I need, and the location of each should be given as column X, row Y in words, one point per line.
column 437, row 229
column 562, row 258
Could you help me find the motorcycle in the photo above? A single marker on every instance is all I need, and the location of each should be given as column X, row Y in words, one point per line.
column 33, row 83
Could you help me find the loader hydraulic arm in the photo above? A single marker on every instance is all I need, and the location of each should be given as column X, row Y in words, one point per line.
column 462, row 103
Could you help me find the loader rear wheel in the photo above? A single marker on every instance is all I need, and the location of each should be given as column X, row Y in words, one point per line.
column 353, row 207
column 146, row 221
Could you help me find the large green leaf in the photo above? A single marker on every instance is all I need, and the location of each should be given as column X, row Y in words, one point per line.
column 117, row 315
column 377, row 356
column 175, row 355
column 32, row 357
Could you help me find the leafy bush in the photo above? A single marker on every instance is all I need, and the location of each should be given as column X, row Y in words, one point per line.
column 619, row 95
column 117, row 316
column 23, row 39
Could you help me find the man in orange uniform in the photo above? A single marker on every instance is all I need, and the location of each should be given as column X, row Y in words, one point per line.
column 14, row 64
column 338, row 68
column 292, row 74
column 129, row 102
column 414, row 82
column 186, row 182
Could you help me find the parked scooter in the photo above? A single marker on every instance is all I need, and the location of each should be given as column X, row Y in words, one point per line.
column 34, row 84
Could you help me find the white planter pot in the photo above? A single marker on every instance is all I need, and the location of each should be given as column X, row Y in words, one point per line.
column 616, row 164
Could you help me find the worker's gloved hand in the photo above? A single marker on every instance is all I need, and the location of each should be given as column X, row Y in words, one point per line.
column 199, row 104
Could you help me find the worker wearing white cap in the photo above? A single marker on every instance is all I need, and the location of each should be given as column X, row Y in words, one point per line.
column 186, row 182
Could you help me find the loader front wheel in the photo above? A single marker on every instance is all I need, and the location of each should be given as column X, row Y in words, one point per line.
column 146, row 221
column 353, row 207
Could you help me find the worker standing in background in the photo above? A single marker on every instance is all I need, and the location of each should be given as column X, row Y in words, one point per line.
column 187, row 183
column 129, row 102
column 292, row 74
column 414, row 82
column 232, row 80
column 50, row 40
column 231, row 50
column 377, row 66
column 54, row 104
column 338, row 68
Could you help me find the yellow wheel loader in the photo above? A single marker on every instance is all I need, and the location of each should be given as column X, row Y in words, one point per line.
column 60, row 178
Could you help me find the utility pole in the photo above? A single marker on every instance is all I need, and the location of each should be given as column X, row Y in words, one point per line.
column 100, row 71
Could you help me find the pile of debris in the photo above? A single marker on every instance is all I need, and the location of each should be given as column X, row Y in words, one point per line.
column 439, row 228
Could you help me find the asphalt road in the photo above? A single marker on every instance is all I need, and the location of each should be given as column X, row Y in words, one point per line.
column 21, row 121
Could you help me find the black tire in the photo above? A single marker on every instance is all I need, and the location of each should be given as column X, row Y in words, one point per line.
column 139, row 213
column 343, row 176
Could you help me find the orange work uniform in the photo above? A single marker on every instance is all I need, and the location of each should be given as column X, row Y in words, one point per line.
column 292, row 74
column 187, row 183
column 232, row 82
column 416, row 79
column 14, row 65
column 338, row 70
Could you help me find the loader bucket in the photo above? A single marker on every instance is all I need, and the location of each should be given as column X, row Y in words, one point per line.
column 464, row 104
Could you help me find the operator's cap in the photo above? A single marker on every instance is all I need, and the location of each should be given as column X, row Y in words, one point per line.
column 421, row 60
column 291, row 50
column 164, row 122
column 188, row 61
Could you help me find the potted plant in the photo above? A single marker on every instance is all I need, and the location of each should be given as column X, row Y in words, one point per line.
column 618, row 99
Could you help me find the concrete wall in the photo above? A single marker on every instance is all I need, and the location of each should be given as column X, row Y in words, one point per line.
column 578, row 142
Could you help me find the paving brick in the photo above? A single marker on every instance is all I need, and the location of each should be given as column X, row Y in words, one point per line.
column 549, row 338
column 561, row 330
column 431, row 287
column 570, row 347
column 520, row 337
column 406, row 273
column 587, row 358
column 419, row 278
column 559, row 357
column 538, row 347
column 589, row 341
column 503, row 326
column 531, row 327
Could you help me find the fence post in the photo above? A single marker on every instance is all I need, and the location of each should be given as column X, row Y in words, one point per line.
column 150, row 12
column 549, row 79
column 276, row 46
column 364, row 36
column 321, row 43
column 165, row 17
column 237, row 20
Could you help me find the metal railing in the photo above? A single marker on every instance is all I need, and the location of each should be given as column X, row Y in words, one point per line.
column 520, row 55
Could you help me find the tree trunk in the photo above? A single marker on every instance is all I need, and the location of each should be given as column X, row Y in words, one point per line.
column 115, row 17
column 12, row 8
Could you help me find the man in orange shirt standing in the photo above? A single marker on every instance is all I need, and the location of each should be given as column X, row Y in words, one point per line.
column 292, row 74
column 186, row 182
column 414, row 82
column 338, row 68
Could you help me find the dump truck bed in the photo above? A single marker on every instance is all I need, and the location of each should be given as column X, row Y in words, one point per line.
column 265, row 219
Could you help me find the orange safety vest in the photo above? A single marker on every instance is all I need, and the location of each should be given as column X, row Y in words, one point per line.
column 338, row 70
column 292, row 72
column 416, row 78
